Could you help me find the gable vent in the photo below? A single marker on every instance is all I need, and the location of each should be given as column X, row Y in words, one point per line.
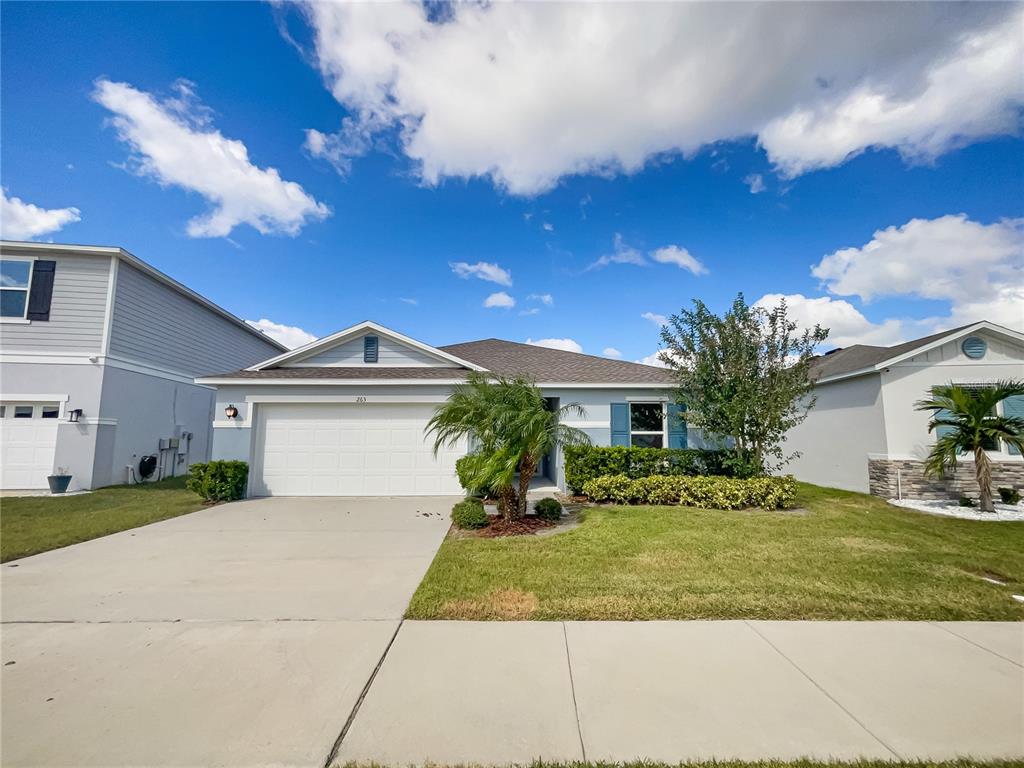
column 974, row 347
column 370, row 349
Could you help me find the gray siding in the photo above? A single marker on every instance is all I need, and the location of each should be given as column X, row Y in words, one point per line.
column 156, row 325
column 391, row 354
column 77, row 310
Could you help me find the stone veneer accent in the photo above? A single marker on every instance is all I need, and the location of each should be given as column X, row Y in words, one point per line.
column 956, row 483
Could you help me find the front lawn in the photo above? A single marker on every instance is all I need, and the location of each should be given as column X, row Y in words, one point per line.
column 842, row 556
column 33, row 524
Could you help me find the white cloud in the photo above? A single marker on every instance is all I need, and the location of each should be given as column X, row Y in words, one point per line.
column 978, row 268
column 652, row 359
column 482, row 270
column 756, row 183
column 654, row 317
column 544, row 298
column 621, row 254
column 846, row 324
column 528, row 93
column 412, row 302
column 566, row 345
column 23, row 221
column 530, row 311
column 673, row 254
column 174, row 143
column 289, row 335
column 611, row 352
column 548, row 226
column 499, row 299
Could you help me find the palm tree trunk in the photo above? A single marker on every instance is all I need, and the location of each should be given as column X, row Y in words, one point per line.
column 508, row 504
column 526, row 469
column 983, row 473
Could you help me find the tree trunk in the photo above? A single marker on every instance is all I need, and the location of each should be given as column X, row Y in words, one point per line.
column 508, row 504
column 526, row 469
column 983, row 473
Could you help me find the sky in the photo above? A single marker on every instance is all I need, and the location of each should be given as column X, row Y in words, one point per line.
column 562, row 174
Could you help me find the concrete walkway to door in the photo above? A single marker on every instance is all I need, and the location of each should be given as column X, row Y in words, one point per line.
column 238, row 635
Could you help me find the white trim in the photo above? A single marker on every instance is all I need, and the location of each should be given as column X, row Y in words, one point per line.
column 114, row 361
column 49, row 358
column 240, row 382
column 360, row 399
column 588, row 424
column 16, row 320
column 238, row 423
column 18, row 398
column 367, row 325
column 135, row 261
column 102, row 421
column 108, row 313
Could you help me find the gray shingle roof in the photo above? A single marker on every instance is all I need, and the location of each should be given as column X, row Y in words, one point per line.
column 860, row 356
column 510, row 358
column 507, row 358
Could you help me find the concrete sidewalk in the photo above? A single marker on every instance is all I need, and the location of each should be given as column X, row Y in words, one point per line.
column 497, row 693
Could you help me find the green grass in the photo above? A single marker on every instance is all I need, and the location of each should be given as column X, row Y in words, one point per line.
column 33, row 524
column 847, row 556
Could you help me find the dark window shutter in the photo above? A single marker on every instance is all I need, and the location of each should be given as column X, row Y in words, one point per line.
column 41, row 292
column 1014, row 406
column 676, row 426
column 620, row 424
column 370, row 349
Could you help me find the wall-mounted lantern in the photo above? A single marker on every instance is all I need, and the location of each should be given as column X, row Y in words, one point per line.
column 74, row 415
column 231, row 412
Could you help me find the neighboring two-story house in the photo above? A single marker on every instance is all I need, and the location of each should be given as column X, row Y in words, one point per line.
column 98, row 355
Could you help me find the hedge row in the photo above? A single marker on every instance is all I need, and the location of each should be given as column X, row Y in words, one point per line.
column 584, row 463
column 709, row 492
column 218, row 480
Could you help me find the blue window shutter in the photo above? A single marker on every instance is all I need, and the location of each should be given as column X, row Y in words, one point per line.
column 676, row 426
column 1014, row 406
column 370, row 349
column 620, row 424
column 942, row 430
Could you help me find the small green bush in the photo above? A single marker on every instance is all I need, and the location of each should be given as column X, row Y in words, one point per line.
column 713, row 492
column 1009, row 495
column 586, row 462
column 218, row 480
column 469, row 513
column 548, row 509
column 966, row 501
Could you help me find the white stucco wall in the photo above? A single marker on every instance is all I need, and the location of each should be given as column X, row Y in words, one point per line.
column 844, row 426
column 907, row 382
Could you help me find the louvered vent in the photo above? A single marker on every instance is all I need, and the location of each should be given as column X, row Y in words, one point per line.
column 974, row 347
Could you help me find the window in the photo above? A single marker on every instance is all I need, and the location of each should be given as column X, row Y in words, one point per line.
column 370, row 349
column 647, row 425
column 3, row 411
column 15, row 279
column 51, row 411
column 23, row 411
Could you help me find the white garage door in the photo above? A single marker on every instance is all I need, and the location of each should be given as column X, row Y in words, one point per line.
column 350, row 449
column 28, row 440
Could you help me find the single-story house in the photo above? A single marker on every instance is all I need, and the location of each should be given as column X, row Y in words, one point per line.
column 346, row 414
column 98, row 356
column 864, row 434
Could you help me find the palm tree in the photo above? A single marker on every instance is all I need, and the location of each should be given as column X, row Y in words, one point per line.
column 965, row 420
column 514, row 428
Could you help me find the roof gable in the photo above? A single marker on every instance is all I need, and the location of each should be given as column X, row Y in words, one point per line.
column 862, row 359
column 344, row 349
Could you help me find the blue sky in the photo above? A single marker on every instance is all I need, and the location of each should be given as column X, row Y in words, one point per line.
column 298, row 165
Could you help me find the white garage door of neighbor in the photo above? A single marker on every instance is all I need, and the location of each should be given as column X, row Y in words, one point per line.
column 27, row 447
column 350, row 449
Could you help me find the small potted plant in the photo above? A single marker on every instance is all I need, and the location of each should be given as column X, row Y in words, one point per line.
column 59, row 481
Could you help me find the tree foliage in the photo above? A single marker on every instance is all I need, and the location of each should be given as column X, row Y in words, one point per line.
column 513, row 427
column 967, row 422
column 743, row 376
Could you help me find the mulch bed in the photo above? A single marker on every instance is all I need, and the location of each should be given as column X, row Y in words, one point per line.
column 524, row 526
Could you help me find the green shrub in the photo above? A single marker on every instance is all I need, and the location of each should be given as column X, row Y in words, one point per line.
column 464, row 468
column 584, row 463
column 469, row 513
column 1009, row 495
column 713, row 492
column 966, row 501
column 218, row 480
column 548, row 509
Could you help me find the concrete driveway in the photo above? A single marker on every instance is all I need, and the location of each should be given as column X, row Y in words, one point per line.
column 238, row 635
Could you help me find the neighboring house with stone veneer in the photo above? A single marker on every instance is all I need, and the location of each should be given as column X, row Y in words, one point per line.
column 864, row 433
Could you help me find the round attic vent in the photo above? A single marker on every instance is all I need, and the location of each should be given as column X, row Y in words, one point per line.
column 974, row 347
